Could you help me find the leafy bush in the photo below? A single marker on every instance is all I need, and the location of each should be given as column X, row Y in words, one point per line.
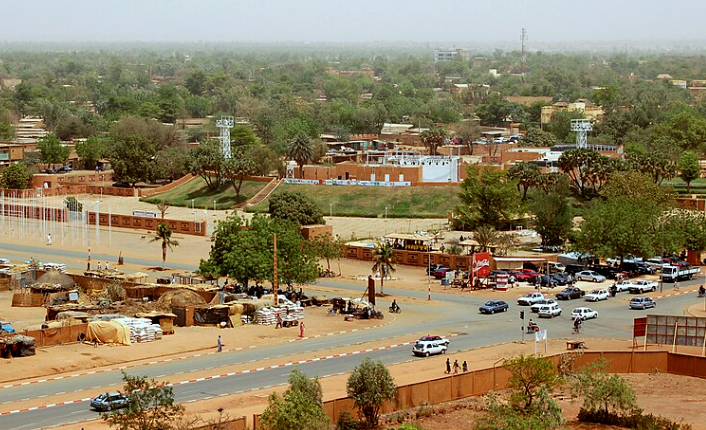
column 347, row 422
column 636, row 420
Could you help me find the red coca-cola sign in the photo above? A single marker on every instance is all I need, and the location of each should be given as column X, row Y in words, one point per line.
column 481, row 264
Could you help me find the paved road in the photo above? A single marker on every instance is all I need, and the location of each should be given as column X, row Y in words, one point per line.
column 15, row 252
column 460, row 315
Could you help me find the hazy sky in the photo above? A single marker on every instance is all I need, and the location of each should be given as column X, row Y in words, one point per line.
column 351, row 21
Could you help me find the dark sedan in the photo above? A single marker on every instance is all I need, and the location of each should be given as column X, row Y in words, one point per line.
column 493, row 306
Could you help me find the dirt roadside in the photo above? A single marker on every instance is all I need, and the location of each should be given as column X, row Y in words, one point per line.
column 690, row 392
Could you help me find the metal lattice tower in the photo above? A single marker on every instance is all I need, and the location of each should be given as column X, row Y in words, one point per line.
column 225, row 124
column 523, row 39
column 581, row 127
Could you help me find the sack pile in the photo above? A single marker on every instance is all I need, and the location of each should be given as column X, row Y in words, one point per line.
column 142, row 329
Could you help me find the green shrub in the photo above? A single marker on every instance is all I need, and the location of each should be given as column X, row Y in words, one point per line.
column 347, row 422
column 636, row 420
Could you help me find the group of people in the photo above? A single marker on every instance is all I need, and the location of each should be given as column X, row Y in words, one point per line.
column 456, row 366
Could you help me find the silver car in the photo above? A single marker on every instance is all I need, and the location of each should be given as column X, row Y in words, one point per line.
column 590, row 275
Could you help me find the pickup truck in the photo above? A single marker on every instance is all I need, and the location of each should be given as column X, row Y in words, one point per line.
column 642, row 286
column 570, row 293
column 678, row 273
column 530, row 299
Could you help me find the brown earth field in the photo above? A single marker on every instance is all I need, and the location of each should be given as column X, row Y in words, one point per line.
column 678, row 398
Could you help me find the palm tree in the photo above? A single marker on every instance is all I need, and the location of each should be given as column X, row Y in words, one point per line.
column 433, row 138
column 164, row 234
column 486, row 236
column 301, row 150
column 384, row 258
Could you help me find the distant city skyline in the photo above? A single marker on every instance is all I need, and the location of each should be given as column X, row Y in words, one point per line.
column 363, row 21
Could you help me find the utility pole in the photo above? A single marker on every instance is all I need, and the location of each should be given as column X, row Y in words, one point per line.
column 275, row 278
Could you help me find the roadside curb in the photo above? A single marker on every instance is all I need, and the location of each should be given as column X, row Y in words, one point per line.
column 225, row 375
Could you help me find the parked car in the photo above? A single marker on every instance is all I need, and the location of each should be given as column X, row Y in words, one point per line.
column 560, row 278
column 544, row 281
column 492, row 306
column 643, row 286
column 583, row 313
column 432, row 267
column 440, row 272
column 570, row 293
column 549, row 311
column 642, row 303
column 556, row 266
column 597, row 295
column 638, row 268
column 530, row 299
column 524, row 275
column 434, row 338
column 573, row 269
column 64, row 169
column 109, row 401
column 609, row 272
column 590, row 275
column 623, row 285
column 535, row 307
column 427, row 348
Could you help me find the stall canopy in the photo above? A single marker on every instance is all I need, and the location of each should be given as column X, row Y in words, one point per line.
column 108, row 332
column 16, row 346
column 212, row 315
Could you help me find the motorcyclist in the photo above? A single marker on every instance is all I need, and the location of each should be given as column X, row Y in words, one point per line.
column 394, row 307
column 532, row 326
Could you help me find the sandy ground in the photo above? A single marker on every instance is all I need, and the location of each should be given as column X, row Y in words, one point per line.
column 74, row 357
column 652, row 389
column 687, row 402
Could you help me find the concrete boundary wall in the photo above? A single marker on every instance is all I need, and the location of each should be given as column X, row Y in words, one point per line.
column 480, row 382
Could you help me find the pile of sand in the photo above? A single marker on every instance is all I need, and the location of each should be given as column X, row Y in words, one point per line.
column 180, row 298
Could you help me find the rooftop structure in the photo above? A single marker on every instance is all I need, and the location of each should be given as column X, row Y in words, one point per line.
column 450, row 54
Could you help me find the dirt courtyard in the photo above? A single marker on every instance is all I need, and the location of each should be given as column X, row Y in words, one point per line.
column 679, row 398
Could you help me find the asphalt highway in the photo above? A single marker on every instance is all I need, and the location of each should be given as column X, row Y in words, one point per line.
column 459, row 315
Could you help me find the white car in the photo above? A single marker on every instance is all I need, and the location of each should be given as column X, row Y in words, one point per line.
column 583, row 313
column 643, row 286
column 425, row 348
column 550, row 311
column 597, row 295
column 535, row 307
column 530, row 299
column 623, row 285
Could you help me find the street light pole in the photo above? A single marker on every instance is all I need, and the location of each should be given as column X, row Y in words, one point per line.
column 429, row 272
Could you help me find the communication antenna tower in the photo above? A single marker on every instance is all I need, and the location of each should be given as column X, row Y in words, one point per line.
column 225, row 124
column 581, row 127
column 523, row 39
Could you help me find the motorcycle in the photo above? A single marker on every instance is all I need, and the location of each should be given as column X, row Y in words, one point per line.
column 532, row 328
column 395, row 310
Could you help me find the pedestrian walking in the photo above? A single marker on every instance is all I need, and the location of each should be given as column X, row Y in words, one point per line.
column 448, row 366
column 106, row 266
column 456, row 367
column 220, row 344
column 99, row 265
column 301, row 329
column 279, row 321
column 48, row 239
column 464, row 366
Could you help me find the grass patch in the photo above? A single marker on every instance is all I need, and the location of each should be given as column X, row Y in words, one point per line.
column 203, row 197
column 359, row 201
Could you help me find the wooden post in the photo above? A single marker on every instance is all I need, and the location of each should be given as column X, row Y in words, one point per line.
column 275, row 278
column 674, row 343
